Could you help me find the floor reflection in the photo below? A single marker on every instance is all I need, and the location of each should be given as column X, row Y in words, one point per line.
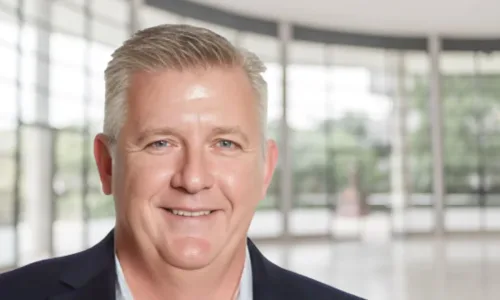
column 459, row 268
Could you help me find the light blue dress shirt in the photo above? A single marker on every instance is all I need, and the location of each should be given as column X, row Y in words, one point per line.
column 245, row 292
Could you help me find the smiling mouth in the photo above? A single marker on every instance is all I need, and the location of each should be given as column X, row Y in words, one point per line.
column 185, row 213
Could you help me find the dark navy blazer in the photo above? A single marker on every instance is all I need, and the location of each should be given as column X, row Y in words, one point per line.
column 90, row 275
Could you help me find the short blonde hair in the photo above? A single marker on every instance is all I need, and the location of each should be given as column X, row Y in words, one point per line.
column 176, row 47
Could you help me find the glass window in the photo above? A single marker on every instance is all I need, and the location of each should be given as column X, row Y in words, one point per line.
column 471, row 98
column 69, row 155
column 151, row 16
column 307, row 90
column 307, row 87
column 463, row 112
column 8, row 167
column 8, row 138
column 307, row 96
column 115, row 11
column 8, row 75
column 8, row 61
column 8, row 117
column 9, row 6
column 28, row 70
column 66, row 100
column 266, row 47
column 33, row 14
column 350, row 56
column 68, row 18
column 360, row 109
column 9, row 29
column 28, row 39
column 101, row 206
column 470, row 106
column 489, row 70
column 96, row 105
column 36, row 161
column 69, row 207
column 109, row 34
column 7, row 233
column 304, row 53
column 66, row 82
column 67, row 51
column 229, row 34
column 6, row 216
column 68, row 180
column 418, row 126
column 28, row 101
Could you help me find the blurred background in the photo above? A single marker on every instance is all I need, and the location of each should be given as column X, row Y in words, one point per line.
column 387, row 114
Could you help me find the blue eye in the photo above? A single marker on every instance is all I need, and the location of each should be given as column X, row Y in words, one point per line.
column 225, row 144
column 159, row 144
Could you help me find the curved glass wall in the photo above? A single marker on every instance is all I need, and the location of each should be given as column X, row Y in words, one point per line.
column 358, row 121
column 471, row 98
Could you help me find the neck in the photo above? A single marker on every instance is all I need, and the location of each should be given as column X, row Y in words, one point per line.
column 150, row 277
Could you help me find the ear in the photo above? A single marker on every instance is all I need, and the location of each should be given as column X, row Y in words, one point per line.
column 270, row 164
column 104, row 161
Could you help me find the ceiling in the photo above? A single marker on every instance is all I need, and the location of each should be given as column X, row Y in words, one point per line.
column 460, row 18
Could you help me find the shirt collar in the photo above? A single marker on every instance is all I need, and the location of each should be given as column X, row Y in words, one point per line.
column 122, row 289
column 245, row 290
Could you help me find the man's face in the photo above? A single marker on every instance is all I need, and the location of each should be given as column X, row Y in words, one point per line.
column 188, row 171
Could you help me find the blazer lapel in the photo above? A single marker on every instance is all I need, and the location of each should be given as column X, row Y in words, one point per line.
column 98, row 288
column 92, row 275
column 264, row 282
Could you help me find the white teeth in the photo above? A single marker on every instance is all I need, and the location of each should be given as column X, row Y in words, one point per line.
column 190, row 213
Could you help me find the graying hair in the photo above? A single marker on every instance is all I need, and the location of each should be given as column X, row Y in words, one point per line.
column 178, row 47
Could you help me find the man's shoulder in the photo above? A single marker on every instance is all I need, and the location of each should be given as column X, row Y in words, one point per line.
column 35, row 278
column 55, row 275
column 297, row 286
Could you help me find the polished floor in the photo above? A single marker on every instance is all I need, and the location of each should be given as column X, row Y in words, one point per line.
column 465, row 268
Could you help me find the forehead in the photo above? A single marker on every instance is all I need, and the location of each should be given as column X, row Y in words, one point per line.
column 170, row 97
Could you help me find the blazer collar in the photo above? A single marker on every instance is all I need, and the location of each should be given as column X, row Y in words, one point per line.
column 93, row 276
column 264, row 274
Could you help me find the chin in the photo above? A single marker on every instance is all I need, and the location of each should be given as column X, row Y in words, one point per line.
column 189, row 253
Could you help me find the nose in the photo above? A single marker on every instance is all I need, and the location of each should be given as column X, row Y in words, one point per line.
column 193, row 175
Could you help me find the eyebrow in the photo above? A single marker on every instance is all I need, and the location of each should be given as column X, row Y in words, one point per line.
column 221, row 130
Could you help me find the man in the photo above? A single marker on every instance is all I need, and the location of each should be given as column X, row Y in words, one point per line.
column 185, row 156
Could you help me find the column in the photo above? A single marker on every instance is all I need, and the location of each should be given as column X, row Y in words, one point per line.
column 37, row 151
column 399, row 153
column 21, row 22
column 87, row 142
column 436, row 117
column 285, row 34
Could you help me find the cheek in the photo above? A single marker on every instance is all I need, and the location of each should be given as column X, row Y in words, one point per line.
column 143, row 178
column 241, row 182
